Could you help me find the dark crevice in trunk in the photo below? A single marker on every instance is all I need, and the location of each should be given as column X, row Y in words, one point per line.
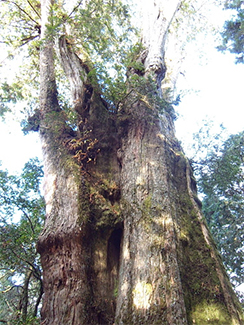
column 113, row 259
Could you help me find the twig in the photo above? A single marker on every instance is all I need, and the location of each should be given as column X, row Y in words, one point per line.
column 75, row 8
column 33, row 8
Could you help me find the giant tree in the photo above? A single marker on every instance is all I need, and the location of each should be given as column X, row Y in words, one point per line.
column 124, row 240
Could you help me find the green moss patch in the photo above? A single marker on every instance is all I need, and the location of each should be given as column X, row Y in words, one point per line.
column 210, row 313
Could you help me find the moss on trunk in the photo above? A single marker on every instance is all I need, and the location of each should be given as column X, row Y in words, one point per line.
column 124, row 241
column 123, row 238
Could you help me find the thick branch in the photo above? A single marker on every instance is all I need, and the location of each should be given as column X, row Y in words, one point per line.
column 29, row 219
column 23, row 304
column 76, row 7
column 76, row 71
column 156, row 22
column 28, row 39
column 48, row 88
column 32, row 266
column 12, row 287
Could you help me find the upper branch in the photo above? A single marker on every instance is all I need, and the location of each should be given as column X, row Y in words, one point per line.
column 156, row 22
column 76, row 71
column 48, row 87
column 33, row 8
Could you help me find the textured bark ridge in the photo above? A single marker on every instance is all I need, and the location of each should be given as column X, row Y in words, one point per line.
column 124, row 240
column 150, row 284
column 170, row 272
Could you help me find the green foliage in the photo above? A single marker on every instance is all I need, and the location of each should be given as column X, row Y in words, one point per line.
column 191, row 17
column 103, row 32
column 21, row 220
column 9, row 94
column 101, row 29
column 20, row 22
column 233, row 32
column 100, row 32
column 220, row 173
column 20, row 25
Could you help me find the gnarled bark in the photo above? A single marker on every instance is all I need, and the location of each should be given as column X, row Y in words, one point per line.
column 124, row 241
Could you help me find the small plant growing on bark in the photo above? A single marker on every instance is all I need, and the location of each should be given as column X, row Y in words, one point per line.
column 84, row 149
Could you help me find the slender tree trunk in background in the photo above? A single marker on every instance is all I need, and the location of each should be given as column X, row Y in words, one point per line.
column 124, row 241
column 23, row 303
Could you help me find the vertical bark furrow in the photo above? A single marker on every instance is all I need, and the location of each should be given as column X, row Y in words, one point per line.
column 149, row 247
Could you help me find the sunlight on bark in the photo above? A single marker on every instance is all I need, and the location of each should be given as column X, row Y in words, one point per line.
column 49, row 190
column 142, row 295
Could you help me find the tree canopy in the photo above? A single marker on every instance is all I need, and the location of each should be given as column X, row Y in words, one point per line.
column 102, row 34
column 100, row 31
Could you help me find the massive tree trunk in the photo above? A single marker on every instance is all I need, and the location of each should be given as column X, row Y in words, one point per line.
column 124, row 240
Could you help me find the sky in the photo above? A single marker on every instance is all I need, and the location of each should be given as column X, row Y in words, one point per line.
column 214, row 83
column 15, row 148
column 217, row 94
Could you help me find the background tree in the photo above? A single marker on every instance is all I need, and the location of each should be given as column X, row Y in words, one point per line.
column 219, row 169
column 233, row 31
column 124, row 241
column 21, row 220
